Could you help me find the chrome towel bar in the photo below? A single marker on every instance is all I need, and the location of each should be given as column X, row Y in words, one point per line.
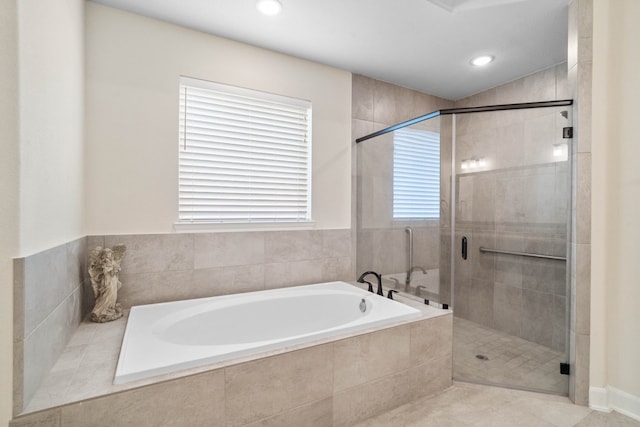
column 532, row 255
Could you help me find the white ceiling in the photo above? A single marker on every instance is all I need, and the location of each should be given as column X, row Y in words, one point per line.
column 420, row 44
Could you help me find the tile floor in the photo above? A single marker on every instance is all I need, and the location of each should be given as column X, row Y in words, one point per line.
column 512, row 361
column 466, row 404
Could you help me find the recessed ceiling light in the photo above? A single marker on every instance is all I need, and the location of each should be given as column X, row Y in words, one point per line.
column 269, row 7
column 481, row 61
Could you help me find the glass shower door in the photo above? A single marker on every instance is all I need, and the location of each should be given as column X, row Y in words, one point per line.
column 510, row 198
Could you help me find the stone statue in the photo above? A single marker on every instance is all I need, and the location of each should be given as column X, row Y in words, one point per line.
column 104, row 267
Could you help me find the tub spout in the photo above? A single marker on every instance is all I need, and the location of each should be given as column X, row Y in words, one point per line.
column 379, row 277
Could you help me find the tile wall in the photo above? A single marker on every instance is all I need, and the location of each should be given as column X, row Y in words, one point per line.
column 519, row 201
column 48, row 289
column 338, row 383
column 382, row 243
column 53, row 291
column 579, row 65
column 169, row 267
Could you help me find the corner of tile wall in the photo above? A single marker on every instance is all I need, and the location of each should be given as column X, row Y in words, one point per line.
column 579, row 78
column 48, row 289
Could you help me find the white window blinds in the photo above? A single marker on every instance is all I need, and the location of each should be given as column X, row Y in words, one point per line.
column 416, row 174
column 244, row 156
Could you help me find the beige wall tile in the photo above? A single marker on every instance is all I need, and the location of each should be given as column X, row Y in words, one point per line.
column 428, row 379
column 572, row 363
column 431, row 341
column 18, row 300
column 359, row 128
column 227, row 280
column 585, row 49
column 267, row 387
column 584, row 101
column 286, row 246
column 362, row 97
column 46, row 285
column 94, row 241
column 47, row 342
column 583, row 198
column 507, row 309
column 585, row 18
column 50, row 418
column 483, row 264
column 509, row 267
column 583, row 288
column 559, row 337
column 18, row 377
column 337, row 269
column 581, row 367
column 364, row 358
column 361, row 402
column 150, row 288
column 77, row 262
column 316, row 414
column 228, row 249
column 336, row 243
column 426, row 247
column 384, row 103
column 151, row 253
column 562, row 83
column 481, row 302
column 540, row 86
column 172, row 403
column 537, row 317
column 281, row 275
column 484, row 193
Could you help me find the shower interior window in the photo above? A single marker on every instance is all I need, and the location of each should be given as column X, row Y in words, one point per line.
column 416, row 174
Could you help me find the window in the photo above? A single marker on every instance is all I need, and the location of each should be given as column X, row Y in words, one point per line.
column 244, row 156
column 416, row 174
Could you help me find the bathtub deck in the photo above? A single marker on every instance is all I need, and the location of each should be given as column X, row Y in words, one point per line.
column 87, row 366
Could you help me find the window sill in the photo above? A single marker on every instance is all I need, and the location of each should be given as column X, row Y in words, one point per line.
column 195, row 227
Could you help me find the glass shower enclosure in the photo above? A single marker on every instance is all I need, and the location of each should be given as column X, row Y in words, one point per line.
column 471, row 208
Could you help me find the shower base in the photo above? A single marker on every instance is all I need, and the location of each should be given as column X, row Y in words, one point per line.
column 486, row 356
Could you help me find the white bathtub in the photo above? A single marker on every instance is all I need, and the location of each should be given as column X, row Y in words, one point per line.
column 167, row 337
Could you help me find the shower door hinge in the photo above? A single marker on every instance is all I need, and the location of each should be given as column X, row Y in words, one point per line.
column 565, row 369
column 567, row 132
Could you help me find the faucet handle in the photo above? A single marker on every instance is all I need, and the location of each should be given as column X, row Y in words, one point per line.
column 390, row 293
column 368, row 283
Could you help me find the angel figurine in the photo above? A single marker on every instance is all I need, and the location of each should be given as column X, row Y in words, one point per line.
column 104, row 267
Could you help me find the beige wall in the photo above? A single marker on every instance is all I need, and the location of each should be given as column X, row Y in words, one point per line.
column 41, row 166
column 9, row 191
column 615, row 346
column 51, row 88
column 133, row 67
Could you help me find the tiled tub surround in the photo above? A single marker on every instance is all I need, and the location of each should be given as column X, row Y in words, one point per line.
column 47, row 311
column 171, row 267
column 327, row 382
column 50, row 299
